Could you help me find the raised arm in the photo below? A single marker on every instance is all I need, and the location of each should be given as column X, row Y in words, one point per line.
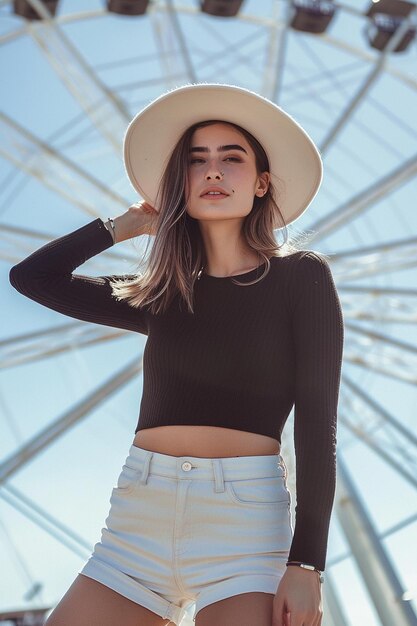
column 46, row 276
column 318, row 332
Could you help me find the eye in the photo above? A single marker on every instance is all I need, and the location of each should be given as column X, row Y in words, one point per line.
column 233, row 159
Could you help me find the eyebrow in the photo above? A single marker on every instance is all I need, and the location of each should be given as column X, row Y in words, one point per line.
column 233, row 146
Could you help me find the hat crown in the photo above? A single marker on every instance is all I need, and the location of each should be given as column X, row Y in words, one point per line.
column 295, row 164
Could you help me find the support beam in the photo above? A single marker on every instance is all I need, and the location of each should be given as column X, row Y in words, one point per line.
column 396, row 246
column 359, row 52
column 399, row 361
column 176, row 27
column 371, row 558
column 379, row 259
column 333, row 614
column 380, row 449
column 21, row 240
column 348, row 112
column 52, row 169
column 50, row 524
column 365, row 303
column 373, row 290
column 50, row 433
column 357, row 205
column 274, row 66
column 105, row 110
column 35, row 346
column 377, row 428
column 391, row 341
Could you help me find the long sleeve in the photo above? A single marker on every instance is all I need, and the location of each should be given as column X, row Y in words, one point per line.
column 46, row 276
column 318, row 332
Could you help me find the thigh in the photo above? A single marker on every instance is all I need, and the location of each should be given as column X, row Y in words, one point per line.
column 89, row 603
column 245, row 609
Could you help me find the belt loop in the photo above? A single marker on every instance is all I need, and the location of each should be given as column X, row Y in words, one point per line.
column 218, row 475
column 145, row 470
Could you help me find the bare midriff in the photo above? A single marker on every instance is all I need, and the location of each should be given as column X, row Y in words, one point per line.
column 205, row 441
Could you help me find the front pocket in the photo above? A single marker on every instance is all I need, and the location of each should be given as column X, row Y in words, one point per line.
column 127, row 479
column 258, row 491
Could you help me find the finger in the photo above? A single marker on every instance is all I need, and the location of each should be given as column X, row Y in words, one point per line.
column 318, row 620
column 285, row 618
column 278, row 616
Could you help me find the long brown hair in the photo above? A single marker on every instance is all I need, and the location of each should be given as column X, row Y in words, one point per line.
column 178, row 250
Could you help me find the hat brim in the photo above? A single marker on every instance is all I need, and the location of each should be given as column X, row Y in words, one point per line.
column 295, row 163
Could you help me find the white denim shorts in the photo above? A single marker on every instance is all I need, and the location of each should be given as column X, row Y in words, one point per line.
column 184, row 530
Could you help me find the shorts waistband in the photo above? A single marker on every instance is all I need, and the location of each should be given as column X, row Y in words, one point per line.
column 199, row 468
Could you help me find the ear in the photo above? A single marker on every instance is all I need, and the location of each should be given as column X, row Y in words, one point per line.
column 262, row 184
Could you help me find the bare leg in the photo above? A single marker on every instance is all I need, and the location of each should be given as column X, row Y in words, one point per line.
column 245, row 609
column 89, row 603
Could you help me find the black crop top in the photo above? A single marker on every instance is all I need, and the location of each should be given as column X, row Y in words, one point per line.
column 243, row 359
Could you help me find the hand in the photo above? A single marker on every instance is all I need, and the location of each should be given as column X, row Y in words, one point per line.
column 298, row 601
column 147, row 215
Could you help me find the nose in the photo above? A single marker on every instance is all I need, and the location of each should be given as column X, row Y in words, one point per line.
column 213, row 171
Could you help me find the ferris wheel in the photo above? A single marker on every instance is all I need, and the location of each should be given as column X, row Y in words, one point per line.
column 74, row 73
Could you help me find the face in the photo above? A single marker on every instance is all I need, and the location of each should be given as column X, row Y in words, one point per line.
column 232, row 170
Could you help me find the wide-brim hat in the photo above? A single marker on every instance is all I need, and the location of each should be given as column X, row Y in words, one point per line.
column 295, row 164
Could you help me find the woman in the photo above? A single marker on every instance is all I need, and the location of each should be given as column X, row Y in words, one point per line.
column 239, row 330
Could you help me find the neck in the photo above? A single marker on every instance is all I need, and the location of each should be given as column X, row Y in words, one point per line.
column 226, row 251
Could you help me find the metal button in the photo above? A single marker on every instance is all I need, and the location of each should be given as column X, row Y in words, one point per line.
column 186, row 466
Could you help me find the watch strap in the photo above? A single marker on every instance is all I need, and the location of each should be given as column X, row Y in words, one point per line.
column 110, row 227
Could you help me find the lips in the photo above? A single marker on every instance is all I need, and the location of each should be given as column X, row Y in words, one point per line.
column 214, row 195
column 205, row 193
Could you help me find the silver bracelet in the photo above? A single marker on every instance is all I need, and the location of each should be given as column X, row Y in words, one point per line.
column 307, row 566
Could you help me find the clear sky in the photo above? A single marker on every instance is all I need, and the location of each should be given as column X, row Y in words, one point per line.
column 44, row 97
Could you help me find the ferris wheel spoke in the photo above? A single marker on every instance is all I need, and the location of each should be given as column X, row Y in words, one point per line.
column 63, row 424
column 103, row 107
column 387, row 451
column 375, row 411
column 350, row 109
column 374, row 425
column 374, row 365
column 363, row 200
column 378, row 291
column 380, row 259
column 275, row 55
column 54, row 170
column 235, row 50
column 376, row 305
column 174, row 22
column 396, row 245
column 386, row 339
column 381, row 354
column 50, row 524
column 32, row 348
column 21, row 240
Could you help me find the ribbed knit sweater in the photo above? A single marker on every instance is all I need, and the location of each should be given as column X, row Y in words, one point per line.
column 242, row 360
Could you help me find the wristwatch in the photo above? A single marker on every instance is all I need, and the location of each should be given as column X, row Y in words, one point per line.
column 307, row 566
column 109, row 224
